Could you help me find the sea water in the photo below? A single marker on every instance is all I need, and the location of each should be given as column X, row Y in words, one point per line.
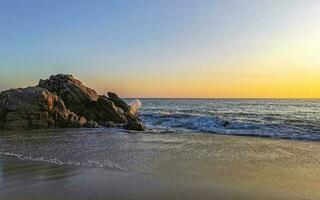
column 280, row 118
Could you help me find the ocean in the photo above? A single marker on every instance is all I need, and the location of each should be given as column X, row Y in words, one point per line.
column 279, row 118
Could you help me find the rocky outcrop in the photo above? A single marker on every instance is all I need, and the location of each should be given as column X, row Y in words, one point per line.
column 74, row 94
column 119, row 102
column 104, row 110
column 82, row 100
column 35, row 108
column 63, row 101
column 133, row 123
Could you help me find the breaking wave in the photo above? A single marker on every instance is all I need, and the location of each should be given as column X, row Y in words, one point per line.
column 290, row 119
column 135, row 105
column 207, row 124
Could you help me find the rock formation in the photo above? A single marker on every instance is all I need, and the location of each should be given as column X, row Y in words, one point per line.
column 35, row 108
column 60, row 102
column 119, row 102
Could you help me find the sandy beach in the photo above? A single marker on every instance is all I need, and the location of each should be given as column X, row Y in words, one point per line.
column 35, row 180
column 181, row 166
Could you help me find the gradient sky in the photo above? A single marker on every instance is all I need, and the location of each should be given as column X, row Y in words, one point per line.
column 165, row 48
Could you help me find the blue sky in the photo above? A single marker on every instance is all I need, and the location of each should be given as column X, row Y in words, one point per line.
column 146, row 48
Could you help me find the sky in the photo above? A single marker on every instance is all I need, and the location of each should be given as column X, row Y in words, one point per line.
column 165, row 48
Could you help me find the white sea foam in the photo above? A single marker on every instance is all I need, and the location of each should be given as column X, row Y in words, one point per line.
column 292, row 119
column 135, row 105
column 90, row 163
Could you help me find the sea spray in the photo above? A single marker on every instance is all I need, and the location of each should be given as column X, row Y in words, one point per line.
column 134, row 105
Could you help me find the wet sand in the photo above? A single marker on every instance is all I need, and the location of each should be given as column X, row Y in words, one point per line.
column 244, row 168
column 30, row 180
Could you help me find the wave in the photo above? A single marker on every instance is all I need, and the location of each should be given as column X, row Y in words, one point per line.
column 135, row 105
column 166, row 122
column 90, row 163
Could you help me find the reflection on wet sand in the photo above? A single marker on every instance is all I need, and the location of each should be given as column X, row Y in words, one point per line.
column 14, row 170
column 38, row 171
column 30, row 180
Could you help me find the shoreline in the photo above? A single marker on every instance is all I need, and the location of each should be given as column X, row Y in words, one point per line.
column 243, row 168
column 117, row 129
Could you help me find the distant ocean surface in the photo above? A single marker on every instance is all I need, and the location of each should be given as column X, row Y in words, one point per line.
column 280, row 118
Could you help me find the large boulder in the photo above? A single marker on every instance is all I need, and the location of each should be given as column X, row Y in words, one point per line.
column 83, row 100
column 103, row 110
column 119, row 102
column 74, row 94
column 35, row 108
column 133, row 123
